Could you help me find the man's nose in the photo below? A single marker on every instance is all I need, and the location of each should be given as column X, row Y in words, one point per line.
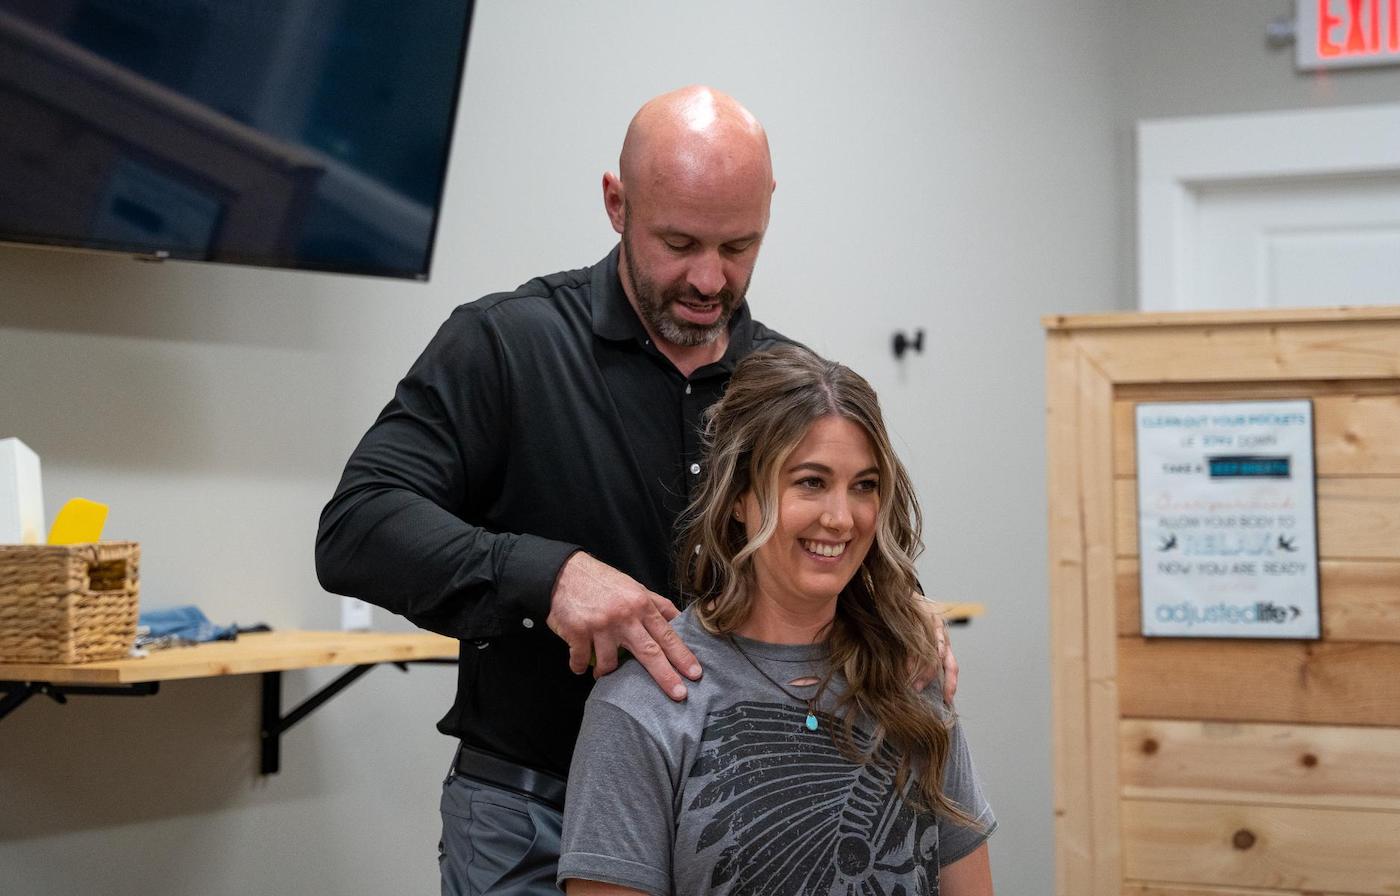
column 707, row 274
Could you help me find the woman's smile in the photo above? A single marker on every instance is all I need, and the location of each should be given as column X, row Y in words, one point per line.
column 823, row 550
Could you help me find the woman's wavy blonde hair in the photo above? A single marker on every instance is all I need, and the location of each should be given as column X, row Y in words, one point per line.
column 879, row 634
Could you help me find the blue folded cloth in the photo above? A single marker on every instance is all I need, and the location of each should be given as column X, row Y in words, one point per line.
column 181, row 623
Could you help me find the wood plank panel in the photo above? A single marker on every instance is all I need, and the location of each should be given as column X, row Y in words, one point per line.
column 1323, row 351
column 1278, row 847
column 1260, row 681
column 1251, row 389
column 1127, row 591
column 1074, row 845
column 1353, row 434
column 1174, row 320
column 1312, row 765
column 1095, row 431
column 1357, row 518
column 1360, row 599
column 1142, row 888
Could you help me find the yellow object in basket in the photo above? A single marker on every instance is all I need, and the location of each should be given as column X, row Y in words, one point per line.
column 79, row 522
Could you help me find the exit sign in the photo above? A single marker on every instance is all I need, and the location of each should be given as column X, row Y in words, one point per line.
column 1348, row 33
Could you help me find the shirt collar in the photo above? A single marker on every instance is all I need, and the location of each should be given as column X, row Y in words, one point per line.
column 615, row 319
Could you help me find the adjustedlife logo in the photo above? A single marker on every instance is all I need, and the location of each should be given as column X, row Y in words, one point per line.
column 1263, row 612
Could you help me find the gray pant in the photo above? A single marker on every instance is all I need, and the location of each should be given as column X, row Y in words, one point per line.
column 495, row 841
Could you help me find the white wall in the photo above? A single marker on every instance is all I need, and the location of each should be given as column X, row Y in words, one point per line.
column 940, row 165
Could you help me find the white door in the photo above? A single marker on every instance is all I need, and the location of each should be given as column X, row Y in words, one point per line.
column 1294, row 209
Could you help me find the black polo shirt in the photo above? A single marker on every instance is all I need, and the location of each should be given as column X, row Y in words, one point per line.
column 536, row 423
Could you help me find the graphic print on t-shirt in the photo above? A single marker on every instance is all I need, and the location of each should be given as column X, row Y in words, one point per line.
column 788, row 814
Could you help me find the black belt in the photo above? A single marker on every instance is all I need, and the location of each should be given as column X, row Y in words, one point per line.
column 490, row 769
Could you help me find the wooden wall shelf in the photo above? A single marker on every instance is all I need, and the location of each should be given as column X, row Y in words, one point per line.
column 266, row 653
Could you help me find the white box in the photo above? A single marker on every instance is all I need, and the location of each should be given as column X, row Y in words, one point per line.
column 21, row 495
column 355, row 615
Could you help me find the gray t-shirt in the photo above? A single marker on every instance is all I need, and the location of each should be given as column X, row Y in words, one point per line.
column 730, row 792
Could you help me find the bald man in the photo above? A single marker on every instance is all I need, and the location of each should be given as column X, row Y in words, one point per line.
column 520, row 491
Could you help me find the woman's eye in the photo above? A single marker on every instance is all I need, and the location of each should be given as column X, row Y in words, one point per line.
column 868, row 485
column 810, row 482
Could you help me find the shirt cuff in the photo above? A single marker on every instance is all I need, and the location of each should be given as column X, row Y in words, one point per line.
column 962, row 849
column 613, row 870
column 527, row 580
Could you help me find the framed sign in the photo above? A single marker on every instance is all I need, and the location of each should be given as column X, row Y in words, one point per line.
column 1227, row 520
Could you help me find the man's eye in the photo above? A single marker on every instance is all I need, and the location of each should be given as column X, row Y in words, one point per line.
column 677, row 246
column 738, row 248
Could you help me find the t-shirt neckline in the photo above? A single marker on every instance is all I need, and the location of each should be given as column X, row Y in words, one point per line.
column 783, row 653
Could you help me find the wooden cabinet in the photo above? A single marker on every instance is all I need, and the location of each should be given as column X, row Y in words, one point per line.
column 1195, row 767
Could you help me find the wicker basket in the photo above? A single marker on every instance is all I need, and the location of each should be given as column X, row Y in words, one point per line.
column 68, row 604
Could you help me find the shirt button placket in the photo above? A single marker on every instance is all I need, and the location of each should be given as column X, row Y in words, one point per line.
column 691, row 415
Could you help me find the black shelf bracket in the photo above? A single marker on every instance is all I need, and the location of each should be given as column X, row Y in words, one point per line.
column 17, row 693
column 14, row 694
column 274, row 724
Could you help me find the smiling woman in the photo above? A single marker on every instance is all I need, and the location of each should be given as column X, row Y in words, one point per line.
column 827, row 496
column 804, row 761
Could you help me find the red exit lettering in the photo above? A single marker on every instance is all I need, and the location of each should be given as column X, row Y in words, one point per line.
column 1348, row 28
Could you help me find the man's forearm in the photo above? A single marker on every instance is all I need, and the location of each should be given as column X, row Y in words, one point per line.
column 401, row 551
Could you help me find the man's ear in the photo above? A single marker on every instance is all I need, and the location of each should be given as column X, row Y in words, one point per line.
column 614, row 201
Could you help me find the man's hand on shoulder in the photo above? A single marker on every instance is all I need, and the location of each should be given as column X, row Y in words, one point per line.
column 597, row 609
column 928, row 671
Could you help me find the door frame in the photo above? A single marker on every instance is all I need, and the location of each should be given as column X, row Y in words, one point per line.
column 1177, row 157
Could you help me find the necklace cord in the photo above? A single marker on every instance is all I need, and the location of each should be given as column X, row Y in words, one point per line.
column 809, row 701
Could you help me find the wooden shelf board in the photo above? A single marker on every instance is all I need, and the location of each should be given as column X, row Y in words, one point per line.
column 256, row 652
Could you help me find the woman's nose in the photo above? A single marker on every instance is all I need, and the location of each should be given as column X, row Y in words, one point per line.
column 837, row 515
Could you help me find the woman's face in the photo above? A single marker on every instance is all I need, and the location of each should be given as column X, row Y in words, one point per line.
column 828, row 500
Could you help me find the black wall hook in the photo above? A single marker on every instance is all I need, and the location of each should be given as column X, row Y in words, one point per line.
column 903, row 343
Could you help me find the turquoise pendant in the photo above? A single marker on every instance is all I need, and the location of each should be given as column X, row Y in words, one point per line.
column 811, row 722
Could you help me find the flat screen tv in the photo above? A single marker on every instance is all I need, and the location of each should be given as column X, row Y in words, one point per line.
column 307, row 134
